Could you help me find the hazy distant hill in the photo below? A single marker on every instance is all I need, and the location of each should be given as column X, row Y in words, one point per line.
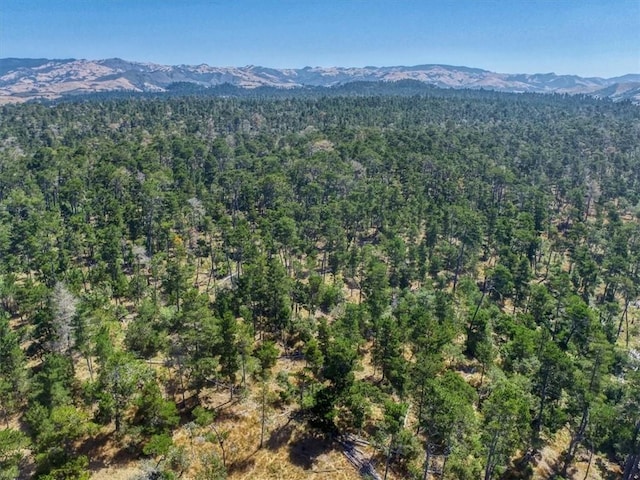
column 25, row 79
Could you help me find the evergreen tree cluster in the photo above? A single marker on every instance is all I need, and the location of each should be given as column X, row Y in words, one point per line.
column 456, row 275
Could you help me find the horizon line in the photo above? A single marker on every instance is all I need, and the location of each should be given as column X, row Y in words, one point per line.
column 143, row 62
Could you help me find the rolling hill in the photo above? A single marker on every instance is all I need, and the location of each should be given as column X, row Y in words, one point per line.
column 28, row 79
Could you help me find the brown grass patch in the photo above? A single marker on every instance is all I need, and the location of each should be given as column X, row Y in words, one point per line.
column 290, row 451
column 551, row 460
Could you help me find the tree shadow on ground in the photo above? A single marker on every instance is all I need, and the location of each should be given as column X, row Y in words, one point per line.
column 605, row 471
column 281, row 436
column 599, row 465
column 304, row 451
column 241, row 466
column 105, row 451
column 223, row 414
column 521, row 469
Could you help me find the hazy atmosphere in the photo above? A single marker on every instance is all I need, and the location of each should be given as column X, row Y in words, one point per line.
column 587, row 38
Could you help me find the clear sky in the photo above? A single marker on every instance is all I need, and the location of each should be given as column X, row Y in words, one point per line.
column 584, row 37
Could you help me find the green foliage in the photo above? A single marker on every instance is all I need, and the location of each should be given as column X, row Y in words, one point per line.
column 55, row 434
column 202, row 416
column 267, row 353
column 53, row 385
column 554, row 376
column 12, row 372
column 153, row 413
column 339, row 361
column 448, row 417
column 118, row 388
column 145, row 338
column 228, row 347
column 211, row 468
column 375, row 285
column 394, row 417
column 506, row 424
column 158, row 446
column 11, row 444
column 343, row 229
column 358, row 404
column 72, row 469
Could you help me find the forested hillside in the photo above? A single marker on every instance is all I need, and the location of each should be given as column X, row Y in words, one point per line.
column 430, row 286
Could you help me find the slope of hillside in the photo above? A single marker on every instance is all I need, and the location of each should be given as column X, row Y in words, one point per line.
column 27, row 79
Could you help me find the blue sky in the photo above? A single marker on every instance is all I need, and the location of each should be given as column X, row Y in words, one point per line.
column 584, row 37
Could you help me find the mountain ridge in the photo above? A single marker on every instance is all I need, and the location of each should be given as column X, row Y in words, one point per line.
column 23, row 79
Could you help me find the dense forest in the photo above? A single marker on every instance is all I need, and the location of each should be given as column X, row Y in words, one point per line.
column 432, row 286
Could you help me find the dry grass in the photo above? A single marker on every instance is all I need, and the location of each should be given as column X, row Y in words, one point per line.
column 551, row 458
column 290, row 450
column 120, row 472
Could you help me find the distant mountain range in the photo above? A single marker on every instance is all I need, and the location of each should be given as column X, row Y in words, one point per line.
column 23, row 79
